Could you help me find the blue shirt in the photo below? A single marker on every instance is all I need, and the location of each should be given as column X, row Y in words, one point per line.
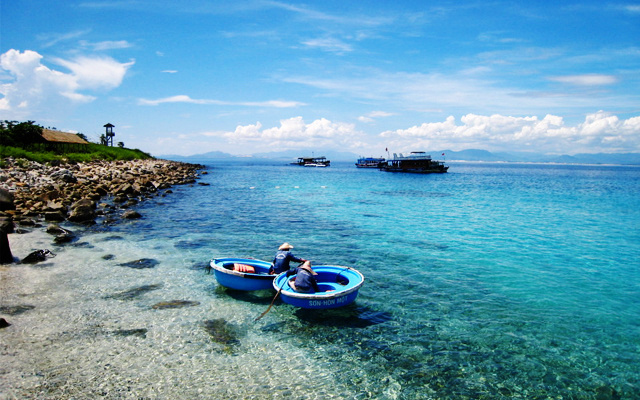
column 305, row 281
column 282, row 259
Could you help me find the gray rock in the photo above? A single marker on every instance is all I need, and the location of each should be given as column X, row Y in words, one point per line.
column 6, row 200
column 131, row 214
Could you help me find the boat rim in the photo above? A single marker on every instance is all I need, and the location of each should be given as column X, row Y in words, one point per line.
column 220, row 268
column 323, row 295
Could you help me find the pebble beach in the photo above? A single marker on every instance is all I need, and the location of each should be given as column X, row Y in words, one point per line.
column 49, row 192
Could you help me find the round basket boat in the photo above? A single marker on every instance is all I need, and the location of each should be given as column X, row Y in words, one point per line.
column 242, row 273
column 338, row 285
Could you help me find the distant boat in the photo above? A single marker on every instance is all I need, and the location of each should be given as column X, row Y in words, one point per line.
column 369, row 162
column 416, row 162
column 312, row 162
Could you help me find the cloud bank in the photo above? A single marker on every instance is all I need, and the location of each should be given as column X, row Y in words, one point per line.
column 294, row 133
column 186, row 99
column 600, row 132
column 35, row 88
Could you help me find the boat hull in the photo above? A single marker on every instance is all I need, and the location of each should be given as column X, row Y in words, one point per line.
column 237, row 280
column 417, row 162
column 370, row 162
column 344, row 284
column 439, row 170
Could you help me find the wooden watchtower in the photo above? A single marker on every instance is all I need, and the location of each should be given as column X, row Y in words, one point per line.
column 109, row 134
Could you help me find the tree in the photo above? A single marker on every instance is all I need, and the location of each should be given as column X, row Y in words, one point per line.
column 26, row 133
column 82, row 136
column 121, row 145
column 6, row 136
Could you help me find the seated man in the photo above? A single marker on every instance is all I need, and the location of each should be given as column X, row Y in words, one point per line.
column 305, row 280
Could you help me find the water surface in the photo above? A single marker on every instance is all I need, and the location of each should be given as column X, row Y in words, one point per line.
column 490, row 281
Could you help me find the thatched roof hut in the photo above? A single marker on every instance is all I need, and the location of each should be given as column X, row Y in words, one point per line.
column 62, row 137
column 63, row 140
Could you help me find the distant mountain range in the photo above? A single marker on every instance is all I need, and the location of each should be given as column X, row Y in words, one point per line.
column 449, row 155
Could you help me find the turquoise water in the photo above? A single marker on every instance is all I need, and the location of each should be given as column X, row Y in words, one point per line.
column 490, row 281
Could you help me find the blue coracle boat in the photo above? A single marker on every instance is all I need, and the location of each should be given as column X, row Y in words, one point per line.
column 339, row 286
column 242, row 273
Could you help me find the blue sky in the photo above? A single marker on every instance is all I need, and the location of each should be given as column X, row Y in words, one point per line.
column 259, row 76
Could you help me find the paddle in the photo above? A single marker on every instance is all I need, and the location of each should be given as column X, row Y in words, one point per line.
column 274, row 299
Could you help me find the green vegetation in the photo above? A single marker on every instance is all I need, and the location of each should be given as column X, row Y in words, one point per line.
column 24, row 140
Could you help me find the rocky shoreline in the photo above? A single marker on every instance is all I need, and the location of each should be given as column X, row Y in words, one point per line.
column 82, row 193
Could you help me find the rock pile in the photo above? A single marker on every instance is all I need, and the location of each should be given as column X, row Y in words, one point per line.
column 82, row 192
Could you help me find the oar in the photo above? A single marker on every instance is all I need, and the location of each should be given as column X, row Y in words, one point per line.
column 286, row 278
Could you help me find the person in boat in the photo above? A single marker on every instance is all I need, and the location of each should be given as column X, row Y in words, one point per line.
column 305, row 280
column 282, row 259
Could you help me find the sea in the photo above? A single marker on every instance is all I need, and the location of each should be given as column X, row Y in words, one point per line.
column 492, row 281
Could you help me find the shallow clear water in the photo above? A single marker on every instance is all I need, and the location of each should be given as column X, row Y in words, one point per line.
column 491, row 281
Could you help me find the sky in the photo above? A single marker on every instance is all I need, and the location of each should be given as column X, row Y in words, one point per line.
column 258, row 76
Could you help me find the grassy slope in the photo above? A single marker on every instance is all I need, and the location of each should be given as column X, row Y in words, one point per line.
column 94, row 152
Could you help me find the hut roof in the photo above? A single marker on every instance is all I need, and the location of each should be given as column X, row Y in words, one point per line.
column 62, row 137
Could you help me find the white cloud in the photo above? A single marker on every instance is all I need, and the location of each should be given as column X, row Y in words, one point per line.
column 378, row 114
column 600, row 132
column 329, row 44
column 96, row 72
column 34, row 87
column 187, row 99
column 52, row 39
column 370, row 117
column 586, row 79
column 106, row 45
column 294, row 133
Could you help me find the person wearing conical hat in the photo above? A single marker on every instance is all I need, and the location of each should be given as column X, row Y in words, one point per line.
column 305, row 280
column 282, row 259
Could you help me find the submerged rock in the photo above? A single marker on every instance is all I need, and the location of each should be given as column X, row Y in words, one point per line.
column 61, row 235
column 142, row 332
column 15, row 310
column 130, row 214
column 141, row 263
column 221, row 332
column 175, row 304
column 37, row 256
column 133, row 293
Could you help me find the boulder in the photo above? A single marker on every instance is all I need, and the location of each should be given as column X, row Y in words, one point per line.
column 61, row 235
column 6, row 200
column 84, row 203
column 6, row 227
column 82, row 214
column 37, row 256
column 64, row 175
column 54, row 216
column 131, row 214
column 83, row 210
